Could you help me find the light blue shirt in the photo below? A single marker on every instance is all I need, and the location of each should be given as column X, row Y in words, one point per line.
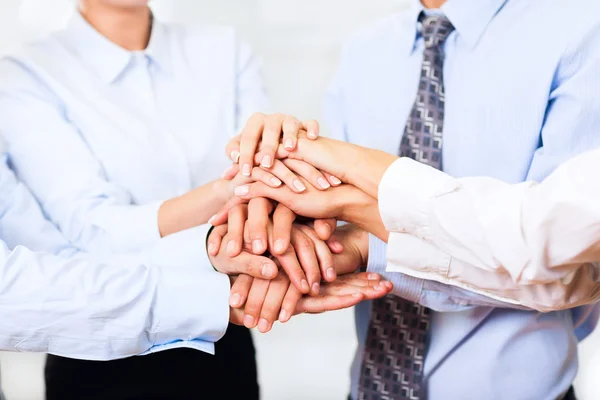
column 522, row 82
column 100, row 308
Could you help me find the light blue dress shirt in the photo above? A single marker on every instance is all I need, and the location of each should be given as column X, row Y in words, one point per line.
column 522, row 81
column 99, row 308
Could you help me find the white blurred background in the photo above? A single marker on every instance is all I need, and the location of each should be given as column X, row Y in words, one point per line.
column 299, row 41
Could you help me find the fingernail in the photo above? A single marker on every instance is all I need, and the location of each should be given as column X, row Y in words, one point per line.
column 230, row 247
column 275, row 181
column 241, row 190
column 263, row 325
column 289, row 144
column 299, row 186
column 235, row 300
column 235, row 156
column 249, row 321
column 331, row 273
column 283, row 316
column 266, row 162
column 267, row 271
column 373, row 277
column 311, row 135
column 211, row 248
column 335, row 180
column 315, row 288
column 279, row 246
column 246, row 170
column 378, row 287
column 257, row 246
column 357, row 294
column 323, row 183
column 305, row 287
column 388, row 284
column 212, row 219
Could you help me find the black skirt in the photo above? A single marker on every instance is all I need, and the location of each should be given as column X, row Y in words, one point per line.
column 180, row 374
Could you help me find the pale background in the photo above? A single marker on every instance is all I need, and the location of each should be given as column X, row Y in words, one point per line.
column 299, row 41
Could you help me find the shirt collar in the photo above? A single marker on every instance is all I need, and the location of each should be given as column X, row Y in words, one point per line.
column 470, row 18
column 107, row 58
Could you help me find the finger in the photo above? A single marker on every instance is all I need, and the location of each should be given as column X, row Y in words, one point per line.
column 324, row 256
column 305, row 250
column 291, row 127
column 222, row 215
column 259, row 210
column 272, row 306
column 334, row 180
column 230, row 172
column 258, row 189
column 255, row 301
column 233, row 149
column 215, row 240
column 236, row 316
column 308, row 172
column 235, row 230
column 251, row 135
column 270, row 139
column 259, row 174
column 335, row 245
column 285, row 174
column 316, row 305
column 240, row 290
column 291, row 265
column 253, row 265
column 325, row 227
column 283, row 219
column 290, row 302
column 312, row 129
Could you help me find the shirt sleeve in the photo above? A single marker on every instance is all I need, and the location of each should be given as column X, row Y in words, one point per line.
column 534, row 244
column 93, row 213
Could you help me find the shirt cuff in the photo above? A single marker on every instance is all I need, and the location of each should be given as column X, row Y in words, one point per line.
column 405, row 195
column 190, row 304
column 404, row 286
column 185, row 249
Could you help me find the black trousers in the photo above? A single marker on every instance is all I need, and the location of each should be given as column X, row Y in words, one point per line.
column 181, row 374
column 569, row 396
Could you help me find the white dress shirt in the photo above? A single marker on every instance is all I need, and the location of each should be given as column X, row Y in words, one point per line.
column 538, row 244
column 79, row 306
column 117, row 133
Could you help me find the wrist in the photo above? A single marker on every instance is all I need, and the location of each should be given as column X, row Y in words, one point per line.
column 222, row 190
column 367, row 173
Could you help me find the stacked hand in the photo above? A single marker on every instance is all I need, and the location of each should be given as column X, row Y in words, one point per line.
column 280, row 173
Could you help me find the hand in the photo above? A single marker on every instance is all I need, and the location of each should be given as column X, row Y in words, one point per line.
column 259, row 302
column 244, row 263
column 308, row 257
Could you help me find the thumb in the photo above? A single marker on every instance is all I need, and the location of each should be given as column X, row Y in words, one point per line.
column 252, row 265
column 220, row 217
column 259, row 189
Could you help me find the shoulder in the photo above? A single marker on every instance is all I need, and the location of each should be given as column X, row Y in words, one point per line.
column 200, row 36
column 383, row 32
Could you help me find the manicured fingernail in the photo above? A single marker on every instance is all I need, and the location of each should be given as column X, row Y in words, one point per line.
column 311, row 135
column 331, row 273
column 305, row 287
column 279, row 246
column 263, row 325
column 230, row 247
column 241, row 190
column 323, row 183
column 212, row 219
column 212, row 248
column 335, row 180
column 373, row 277
column 357, row 294
column 289, row 144
column 299, row 186
column 315, row 288
column 275, row 182
column 235, row 300
column 257, row 246
column 267, row 271
column 283, row 316
column 249, row 321
column 235, row 156
column 246, row 170
column 266, row 162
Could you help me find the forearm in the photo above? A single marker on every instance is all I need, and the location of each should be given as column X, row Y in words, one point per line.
column 193, row 208
column 363, row 211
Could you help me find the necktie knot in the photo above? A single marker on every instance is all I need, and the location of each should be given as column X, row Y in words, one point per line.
column 436, row 29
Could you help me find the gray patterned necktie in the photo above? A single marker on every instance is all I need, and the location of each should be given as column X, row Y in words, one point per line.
column 392, row 366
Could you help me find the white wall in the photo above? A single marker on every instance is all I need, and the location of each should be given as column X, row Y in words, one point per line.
column 299, row 41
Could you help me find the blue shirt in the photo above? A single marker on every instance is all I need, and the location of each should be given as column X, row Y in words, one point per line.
column 522, row 82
